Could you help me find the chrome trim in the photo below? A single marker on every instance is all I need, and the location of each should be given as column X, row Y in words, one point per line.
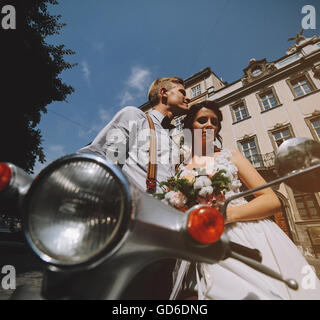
column 121, row 234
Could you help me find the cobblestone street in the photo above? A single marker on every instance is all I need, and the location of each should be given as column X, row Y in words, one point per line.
column 27, row 267
column 28, row 278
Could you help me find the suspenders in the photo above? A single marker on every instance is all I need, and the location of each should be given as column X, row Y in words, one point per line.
column 151, row 181
column 152, row 165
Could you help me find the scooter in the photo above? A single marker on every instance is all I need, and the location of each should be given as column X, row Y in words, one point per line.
column 94, row 230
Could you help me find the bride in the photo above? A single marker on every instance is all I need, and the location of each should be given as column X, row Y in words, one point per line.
column 247, row 223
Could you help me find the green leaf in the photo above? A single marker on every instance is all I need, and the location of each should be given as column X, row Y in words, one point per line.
column 159, row 196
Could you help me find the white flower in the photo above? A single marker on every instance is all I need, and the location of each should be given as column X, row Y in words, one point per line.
column 176, row 199
column 227, row 154
column 202, row 181
column 235, row 184
column 190, row 175
column 233, row 170
column 205, row 191
column 168, row 195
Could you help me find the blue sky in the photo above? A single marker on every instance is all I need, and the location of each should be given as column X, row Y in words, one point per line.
column 122, row 46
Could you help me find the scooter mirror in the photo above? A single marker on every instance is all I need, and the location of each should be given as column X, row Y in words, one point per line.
column 296, row 154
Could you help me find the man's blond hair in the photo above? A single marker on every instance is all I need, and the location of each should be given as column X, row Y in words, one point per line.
column 159, row 83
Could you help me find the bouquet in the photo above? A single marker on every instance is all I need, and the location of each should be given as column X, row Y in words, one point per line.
column 190, row 187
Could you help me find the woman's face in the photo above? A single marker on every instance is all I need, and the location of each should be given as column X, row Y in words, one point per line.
column 206, row 121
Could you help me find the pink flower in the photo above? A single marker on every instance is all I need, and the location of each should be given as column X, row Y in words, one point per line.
column 176, row 198
column 210, row 199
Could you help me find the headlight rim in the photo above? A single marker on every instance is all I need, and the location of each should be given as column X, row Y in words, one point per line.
column 124, row 226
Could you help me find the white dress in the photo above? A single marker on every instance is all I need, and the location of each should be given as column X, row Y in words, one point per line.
column 233, row 280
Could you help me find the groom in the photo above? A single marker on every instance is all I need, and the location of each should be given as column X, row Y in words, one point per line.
column 122, row 140
column 119, row 141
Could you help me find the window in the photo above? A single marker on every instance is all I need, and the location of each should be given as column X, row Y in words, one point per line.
column 250, row 151
column 313, row 124
column 268, row 100
column 239, row 112
column 301, row 86
column 281, row 135
column 316, row 126
column 195, row 91
column 314, row 234
column 210, row 90
column 290, row 59
column 256, row 72
column 307, row 205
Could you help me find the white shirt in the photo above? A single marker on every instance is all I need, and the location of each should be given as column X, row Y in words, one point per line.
column 125, row 140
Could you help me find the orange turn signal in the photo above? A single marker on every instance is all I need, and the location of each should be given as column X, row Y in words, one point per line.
column 205, row 224
column 5, row 175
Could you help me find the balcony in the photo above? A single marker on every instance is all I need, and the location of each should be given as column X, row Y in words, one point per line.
column 263, row 161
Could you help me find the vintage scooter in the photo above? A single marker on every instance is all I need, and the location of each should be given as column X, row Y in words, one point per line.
column 94, row 230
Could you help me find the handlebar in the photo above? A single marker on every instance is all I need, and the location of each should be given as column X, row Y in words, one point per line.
column 254, row 254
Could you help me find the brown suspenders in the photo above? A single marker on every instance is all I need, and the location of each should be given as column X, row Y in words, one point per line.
column 152, row 165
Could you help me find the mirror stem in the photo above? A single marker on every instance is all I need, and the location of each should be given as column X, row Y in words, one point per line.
column 263, row 269
column 274, row 182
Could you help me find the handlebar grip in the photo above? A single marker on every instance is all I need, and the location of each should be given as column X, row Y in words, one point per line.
column 254, row 254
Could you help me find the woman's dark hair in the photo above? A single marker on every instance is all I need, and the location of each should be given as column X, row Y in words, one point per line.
column 194, row 109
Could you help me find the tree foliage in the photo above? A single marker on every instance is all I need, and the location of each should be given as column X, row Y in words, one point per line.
column 29, row 80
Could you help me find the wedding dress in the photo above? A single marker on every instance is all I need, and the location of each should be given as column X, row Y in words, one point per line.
column 233, row 280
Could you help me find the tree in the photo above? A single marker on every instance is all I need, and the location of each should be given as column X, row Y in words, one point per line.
column 29, row 80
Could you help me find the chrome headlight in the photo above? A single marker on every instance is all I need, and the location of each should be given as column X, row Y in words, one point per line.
column 77, row 210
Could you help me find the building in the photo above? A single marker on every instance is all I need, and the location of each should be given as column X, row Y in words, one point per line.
column 272, row 102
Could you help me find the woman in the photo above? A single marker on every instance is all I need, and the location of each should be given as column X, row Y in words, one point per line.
column 246, row 224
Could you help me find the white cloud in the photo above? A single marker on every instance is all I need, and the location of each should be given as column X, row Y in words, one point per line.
column 104, row 117
column 139, row 78
column 85, row 70
column 126, row 98
column 136, row 85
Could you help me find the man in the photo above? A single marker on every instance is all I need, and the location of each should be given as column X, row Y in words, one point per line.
column 125, row 140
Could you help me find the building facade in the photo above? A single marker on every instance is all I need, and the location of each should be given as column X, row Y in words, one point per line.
column 270, row 103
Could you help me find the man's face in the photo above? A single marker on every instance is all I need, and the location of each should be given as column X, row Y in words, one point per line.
column 177, row 100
